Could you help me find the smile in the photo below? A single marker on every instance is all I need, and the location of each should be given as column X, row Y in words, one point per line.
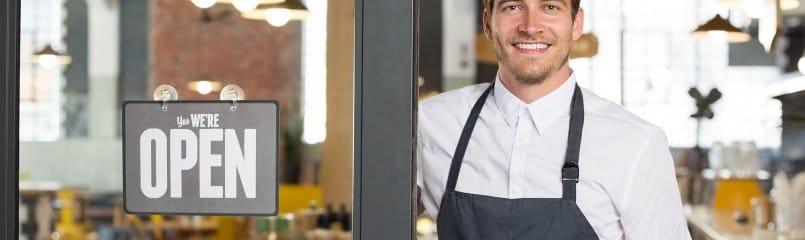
column 531, row 48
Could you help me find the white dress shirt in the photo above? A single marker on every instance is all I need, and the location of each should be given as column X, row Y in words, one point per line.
column 627, row 187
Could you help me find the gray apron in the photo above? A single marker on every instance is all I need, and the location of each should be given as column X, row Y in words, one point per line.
column 467, row 216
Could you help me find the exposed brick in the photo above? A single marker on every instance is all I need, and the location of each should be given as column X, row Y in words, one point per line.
column 263, row 60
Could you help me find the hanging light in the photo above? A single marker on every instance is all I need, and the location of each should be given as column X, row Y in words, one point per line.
column 789, row 4
column 203, row 3
column 248, row 5
column 718, row 27
column 49, row 57
column 278, row 14
column 204, row 86
column 277, row 17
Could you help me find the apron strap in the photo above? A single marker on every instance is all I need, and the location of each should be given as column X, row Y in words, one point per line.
column 458, row 155
column 570, row 170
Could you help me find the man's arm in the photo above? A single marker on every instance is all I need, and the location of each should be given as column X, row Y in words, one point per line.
column 653, row 206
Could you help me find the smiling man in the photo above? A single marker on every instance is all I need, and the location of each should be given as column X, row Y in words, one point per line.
column 534, row 156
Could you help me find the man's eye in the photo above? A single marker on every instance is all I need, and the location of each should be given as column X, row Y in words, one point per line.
column 552, row 7
column 510, row 8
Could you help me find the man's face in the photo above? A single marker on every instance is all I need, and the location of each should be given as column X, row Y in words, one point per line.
column 532, row 38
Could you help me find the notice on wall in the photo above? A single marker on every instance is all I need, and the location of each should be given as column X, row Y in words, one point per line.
column 200, row 157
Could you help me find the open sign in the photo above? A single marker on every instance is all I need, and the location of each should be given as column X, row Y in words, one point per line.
column 200, row 157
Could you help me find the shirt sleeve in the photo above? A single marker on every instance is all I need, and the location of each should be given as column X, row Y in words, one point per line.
column 653, row 206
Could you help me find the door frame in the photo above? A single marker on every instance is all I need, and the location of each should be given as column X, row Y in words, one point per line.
column 386, row 43
column 9, row 119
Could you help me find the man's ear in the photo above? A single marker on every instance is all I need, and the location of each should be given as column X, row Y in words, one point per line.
column 578, row 24
column 486, row 26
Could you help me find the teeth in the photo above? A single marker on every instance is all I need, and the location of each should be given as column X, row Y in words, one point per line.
column 532, row 46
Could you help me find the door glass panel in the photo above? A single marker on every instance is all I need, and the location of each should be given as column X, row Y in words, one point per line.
column 107, row 52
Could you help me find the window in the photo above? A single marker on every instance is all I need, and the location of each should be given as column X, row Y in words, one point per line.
column 40, row 87
column 661, row 61
column 314, row 72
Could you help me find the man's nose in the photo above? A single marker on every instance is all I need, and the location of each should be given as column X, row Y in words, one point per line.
column 532, row 23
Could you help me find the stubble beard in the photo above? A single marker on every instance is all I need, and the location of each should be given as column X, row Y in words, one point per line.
column 531, row 75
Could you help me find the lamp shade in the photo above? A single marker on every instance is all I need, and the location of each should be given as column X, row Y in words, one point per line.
column 718, row 26
column 49, row 57
column 295, row 10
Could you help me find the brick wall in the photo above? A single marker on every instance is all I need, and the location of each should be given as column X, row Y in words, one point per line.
column 263, row 60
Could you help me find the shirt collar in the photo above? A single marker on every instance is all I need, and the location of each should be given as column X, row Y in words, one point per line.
column 544, row 111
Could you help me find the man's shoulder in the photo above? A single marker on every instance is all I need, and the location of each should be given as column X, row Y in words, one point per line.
column 615, row 117
column 453, row 99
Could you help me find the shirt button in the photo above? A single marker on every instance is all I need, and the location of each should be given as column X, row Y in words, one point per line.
column 522, row 140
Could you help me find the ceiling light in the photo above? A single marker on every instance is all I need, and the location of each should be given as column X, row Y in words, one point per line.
column 277, row 17
column 720, row 28
column 789, row 4
column 245, row 5
column 204, row 87
column 277, row 13
column 49, row 57
column 203, row 3
column 248, row 5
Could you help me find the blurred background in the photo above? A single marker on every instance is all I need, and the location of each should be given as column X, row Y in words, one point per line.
column 723, row 78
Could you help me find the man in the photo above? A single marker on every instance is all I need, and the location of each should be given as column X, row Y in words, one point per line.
column 533, row 156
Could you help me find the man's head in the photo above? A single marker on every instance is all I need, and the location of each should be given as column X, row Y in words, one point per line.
column 532, row 38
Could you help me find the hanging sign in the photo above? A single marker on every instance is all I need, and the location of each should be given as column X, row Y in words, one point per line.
column 200, row 157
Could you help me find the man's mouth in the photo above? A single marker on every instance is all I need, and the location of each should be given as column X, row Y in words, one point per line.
column 532, row 47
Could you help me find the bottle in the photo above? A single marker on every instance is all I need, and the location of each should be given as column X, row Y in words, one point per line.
column 345, row 218
column 715, row 156
column 331, row 216
column 781, row 195
column 321, row 220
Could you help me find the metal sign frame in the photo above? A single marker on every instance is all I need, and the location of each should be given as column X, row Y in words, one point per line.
column 276, row 163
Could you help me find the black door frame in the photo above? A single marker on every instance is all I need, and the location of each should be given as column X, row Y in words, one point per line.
column 9, row 102
column 386, row 40
column 385, row 118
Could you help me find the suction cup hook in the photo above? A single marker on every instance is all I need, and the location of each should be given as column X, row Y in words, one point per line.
column 165, row 93
column 234, row 93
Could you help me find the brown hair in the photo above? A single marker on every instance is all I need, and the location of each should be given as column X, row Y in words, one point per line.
column 574, row 3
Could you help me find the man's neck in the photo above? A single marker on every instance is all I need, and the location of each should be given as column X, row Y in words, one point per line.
column 530, row 93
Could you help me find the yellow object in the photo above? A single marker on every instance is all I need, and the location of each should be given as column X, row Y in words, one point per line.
column 294, row 197
column 67, row 229
column 156, row 222
column 229, row 228
column 732, row 206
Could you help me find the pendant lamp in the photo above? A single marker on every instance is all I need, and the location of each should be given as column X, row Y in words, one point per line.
column 49, row 57
column 278, row 14
column 720, row 27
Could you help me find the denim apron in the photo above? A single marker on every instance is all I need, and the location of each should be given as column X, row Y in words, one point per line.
column 465, row 216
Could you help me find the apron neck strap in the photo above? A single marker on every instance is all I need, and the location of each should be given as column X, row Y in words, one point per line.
column 570, row 169
column 458, row 155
